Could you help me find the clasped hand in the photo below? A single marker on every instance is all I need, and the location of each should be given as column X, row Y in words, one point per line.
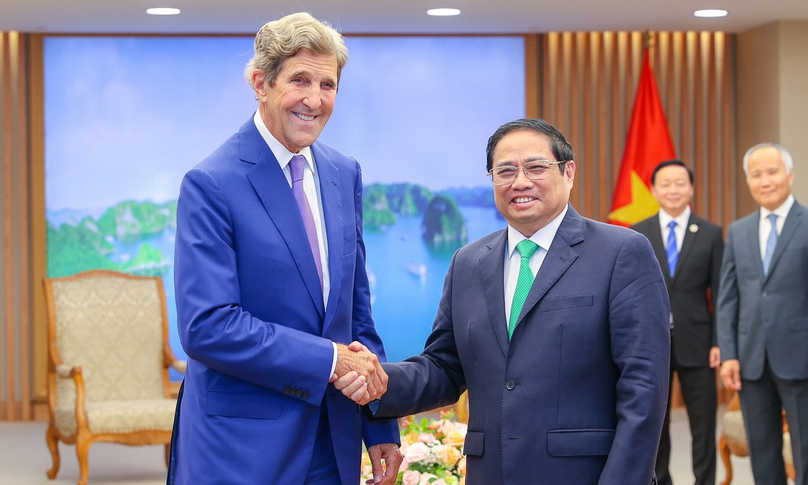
column 359, row 374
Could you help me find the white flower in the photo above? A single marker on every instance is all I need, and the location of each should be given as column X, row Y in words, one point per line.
column 425, row 478
column 417, row 452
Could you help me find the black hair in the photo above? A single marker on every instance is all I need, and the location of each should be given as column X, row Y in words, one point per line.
column 561, row 148
column 668, row 163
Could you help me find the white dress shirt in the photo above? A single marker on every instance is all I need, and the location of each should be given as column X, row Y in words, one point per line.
column 311, row 187
column 544, row 238
column 765, row 227
column 680, row 229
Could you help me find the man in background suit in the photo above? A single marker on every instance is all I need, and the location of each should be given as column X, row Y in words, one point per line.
column 689, row 250
column 556, row 325
column 763, row 315
column 271, row 286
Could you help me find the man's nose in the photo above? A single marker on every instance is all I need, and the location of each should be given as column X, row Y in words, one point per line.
column 521, row 179
column 312, row 99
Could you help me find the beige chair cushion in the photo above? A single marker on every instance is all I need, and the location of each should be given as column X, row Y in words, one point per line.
column 787, row 456
column 734, row 429
column 733, row 426
column 120, row 416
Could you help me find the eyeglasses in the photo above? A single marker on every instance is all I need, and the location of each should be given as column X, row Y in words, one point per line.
column 535, row 170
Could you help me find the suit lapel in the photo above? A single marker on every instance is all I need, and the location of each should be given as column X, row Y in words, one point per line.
column 492, row 276
column 790, row 226
column 687, row 246
column 753, row 236
column 272, row 188
column 332, row 212
column 654, row 234
column 558, row 259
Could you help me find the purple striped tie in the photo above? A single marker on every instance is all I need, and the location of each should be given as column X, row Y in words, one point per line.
column 296, row 167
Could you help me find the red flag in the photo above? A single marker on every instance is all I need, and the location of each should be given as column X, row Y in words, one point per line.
column 647, row 144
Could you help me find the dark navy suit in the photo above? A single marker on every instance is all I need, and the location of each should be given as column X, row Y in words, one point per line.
column 579, row 393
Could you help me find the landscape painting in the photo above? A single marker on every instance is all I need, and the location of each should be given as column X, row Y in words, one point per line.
column 126, row 117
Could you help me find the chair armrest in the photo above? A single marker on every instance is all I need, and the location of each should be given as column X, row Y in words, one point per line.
column 64, row 370
column 179, row 365
column 74, row 372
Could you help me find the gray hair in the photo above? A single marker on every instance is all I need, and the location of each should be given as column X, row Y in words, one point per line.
column 784, row 156
column 281, row 39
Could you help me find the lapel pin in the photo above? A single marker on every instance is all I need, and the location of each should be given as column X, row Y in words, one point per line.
column 693, row 228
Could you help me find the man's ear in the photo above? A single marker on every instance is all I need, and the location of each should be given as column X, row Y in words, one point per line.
column 260, row 83
column 569, row 170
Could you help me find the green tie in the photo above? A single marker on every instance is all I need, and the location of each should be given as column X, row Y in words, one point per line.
column 526, row 249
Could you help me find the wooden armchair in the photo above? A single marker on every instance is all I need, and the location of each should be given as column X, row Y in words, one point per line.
column 108, row 363
column 733, row 440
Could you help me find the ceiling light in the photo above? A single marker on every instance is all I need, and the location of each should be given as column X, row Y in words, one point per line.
column 710, row 13
column 443, row 12
column 163, row 11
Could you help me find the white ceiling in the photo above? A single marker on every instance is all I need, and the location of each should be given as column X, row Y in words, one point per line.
column 389, row 16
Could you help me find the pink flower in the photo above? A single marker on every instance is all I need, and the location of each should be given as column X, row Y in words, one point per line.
column 426, row 438
column 425, row 478
column 417, row 452
column 439, row 481
column 410, row 477
column 405, row 464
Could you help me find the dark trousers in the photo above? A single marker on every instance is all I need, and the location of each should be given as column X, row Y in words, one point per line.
column 323, row 468
column 762, row 401
column 701, row 401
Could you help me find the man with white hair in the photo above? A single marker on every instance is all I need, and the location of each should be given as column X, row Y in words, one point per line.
column 271, row 286
column 762, row 315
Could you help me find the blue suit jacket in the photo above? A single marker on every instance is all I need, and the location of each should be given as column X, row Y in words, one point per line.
column 579, row 393
column 252, row 321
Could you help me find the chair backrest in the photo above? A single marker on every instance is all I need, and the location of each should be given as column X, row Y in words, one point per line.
column 113, row 325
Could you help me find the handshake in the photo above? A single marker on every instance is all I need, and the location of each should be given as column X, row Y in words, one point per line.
column 359, row 374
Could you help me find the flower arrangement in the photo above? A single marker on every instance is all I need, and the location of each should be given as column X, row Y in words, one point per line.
column 432, row 452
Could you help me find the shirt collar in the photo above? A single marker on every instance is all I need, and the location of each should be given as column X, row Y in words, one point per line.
column 681, row 220
column 543, row 237
column 781, row 211
column 282, row 154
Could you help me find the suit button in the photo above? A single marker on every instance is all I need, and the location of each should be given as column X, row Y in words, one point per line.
column 510, row 385
column 286, row 389
column 305, row 395
column 671, row 326
column 765, row 294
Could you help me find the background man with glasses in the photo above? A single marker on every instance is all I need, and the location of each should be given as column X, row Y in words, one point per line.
column 558, row 327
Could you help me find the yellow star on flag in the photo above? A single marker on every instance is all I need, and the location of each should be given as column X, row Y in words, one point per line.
column 642, row 206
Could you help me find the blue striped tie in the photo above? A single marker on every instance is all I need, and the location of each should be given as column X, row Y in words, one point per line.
column 671, row 251
column 770, row 244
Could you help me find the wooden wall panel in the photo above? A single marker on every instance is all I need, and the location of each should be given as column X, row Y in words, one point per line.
column 15, row 266
column 587, row 91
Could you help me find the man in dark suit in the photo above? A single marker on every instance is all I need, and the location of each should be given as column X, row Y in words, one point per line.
column 556, row 325
column 689, row 250
column 763, row 315
column 271, row 286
